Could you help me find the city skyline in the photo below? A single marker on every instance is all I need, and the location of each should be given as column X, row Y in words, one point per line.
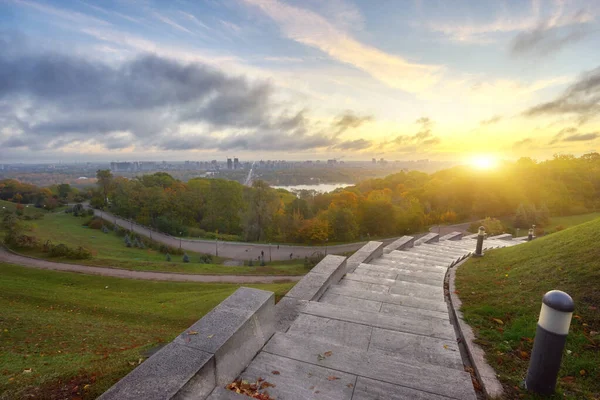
column 297, row 80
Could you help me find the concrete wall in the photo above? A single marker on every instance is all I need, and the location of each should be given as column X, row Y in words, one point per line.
column 211, row 352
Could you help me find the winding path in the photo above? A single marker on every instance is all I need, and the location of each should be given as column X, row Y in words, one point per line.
column 9, row 257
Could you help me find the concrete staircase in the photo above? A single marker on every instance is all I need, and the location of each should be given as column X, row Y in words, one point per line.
column 382, row 332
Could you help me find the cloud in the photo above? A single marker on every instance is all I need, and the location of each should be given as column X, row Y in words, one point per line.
column 172, row 23
column 493, row 120
column 582, row 137
column 358, row 144
column 581, row 98
column 561, row 134
column 55, row 101
column 349, row 121
column 520, row 144
column 544, row 39
column 420, row 141
column 311, row 29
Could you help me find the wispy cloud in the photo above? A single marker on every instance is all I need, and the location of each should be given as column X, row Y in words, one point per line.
column 311, row 29
column 67, row 15
column 170, row 22
column 491, row 121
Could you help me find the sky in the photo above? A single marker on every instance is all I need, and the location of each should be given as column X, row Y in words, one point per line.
column 116, row 80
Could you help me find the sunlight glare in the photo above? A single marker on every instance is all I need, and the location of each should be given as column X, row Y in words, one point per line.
column 484, row 162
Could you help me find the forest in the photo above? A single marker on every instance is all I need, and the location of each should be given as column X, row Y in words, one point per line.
column 402, row 203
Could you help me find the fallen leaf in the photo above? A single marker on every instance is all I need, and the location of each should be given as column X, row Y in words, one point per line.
column 568, row 379
column 446, row 346
column 582, row 372
column 192, row 332
column 328, row 353
column 210, row 336
column 275, row 372
column 320, row 357
column 86, row 387
column 332, row 378
column 27, row 371
column 350, row 385
column 498, row 321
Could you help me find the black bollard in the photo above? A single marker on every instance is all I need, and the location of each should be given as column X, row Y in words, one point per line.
column 530, row 236
column 479, row 247
column 550, row 337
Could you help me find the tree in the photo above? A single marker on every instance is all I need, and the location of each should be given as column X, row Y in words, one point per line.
column 343, row 224
column 262, row 202
column 64, row 189
column 186, row 258
column 105, row 181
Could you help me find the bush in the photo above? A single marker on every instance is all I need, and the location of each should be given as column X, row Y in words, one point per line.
column 22, row 241
column 79, row 254
column 168, row 257
column 196, row 232
column 90, row 212
column 251, row 263
column 186, row 258
column 60, row 250
column 262, row 263
column 104, row 229
column 127, row 240
column 206, row 259
column 95, row 223
column 314, row 259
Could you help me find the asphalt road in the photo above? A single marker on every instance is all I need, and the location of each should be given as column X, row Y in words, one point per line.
column 13, row 258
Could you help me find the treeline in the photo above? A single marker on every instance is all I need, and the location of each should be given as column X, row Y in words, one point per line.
column 401, row 203
column 48, row 198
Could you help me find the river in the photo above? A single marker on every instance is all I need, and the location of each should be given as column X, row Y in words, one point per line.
column 321, row 187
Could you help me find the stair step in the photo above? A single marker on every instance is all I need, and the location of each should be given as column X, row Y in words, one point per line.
column 424, row 349
column 418, row 376
column 403, row 300
column 370, row 287
column 408, row 265
column 341, row 333
column 295, row 379
column 419, row 325
column 430, row 237
column 426, row 290
column 370, row 389
column 444, row 249
column 411, row 312
column 399, row 270
column 415, row 277
column 424, row 253
column 352, row 302
column 415, row 258
column 416, row 254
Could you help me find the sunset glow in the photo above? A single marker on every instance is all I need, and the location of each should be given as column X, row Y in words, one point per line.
column 484, row 162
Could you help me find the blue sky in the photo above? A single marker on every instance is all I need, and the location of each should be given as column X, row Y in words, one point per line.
column 135, row 79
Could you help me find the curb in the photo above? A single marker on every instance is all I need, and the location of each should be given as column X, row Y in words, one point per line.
column 484, row 372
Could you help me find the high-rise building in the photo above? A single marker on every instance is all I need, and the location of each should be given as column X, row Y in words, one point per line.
column 229, row 163
column 236, row 163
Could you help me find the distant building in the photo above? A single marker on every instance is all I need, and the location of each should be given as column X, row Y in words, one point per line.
column 121, row 166
column 374, row 161
column 229, row 163
column 236, row 163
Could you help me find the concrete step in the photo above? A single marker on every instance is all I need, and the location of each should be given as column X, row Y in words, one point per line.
column 401, row 243
column 416, row 277
column 411, row 312
column 352, row 302
column 335, row 331
column 369, row 287
column 296, row 379
column 408, row 256
column 408, row 265
column 414, row 375
column 424, row 349
column 429, row 238
column 504, row 236
column 427, row 290
column 444, row 249
column 418, row 325
column 389, row 298
column 371, row 389
column 221, row 393
column 427, row 253
column 451, row 236
column 412, row 270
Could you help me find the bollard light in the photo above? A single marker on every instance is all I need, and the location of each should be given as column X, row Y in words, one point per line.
column 479, row 247
column 530, row 235
column 550, row 338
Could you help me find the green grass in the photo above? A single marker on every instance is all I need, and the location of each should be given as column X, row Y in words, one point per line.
column 507, row 285
column 77, row 330
column 28, row 209
column 109, row 250
column 570, row 221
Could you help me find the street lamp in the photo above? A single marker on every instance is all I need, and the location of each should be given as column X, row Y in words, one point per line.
column 517, row 232
column 326, row 240
column 180, row 234
column 217, row 246
column 270, row 253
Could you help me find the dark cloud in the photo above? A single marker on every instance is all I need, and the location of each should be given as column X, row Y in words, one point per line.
column 520, row 144
column 547, row 38
column 48, row 101
column 582, row 137
column 493, row 120
column 581, row 99
column 561, row 134
column 358, row 144
column 349, row 121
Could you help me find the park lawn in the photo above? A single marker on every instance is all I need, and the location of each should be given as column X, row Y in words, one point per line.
column 72, row 335
column 571, row 220
column 28, row 209
column 109, row 250
column 502, row 292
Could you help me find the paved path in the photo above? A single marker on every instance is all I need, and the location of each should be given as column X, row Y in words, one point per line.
column 235, row 250
column 12, row 258
column 382, row 332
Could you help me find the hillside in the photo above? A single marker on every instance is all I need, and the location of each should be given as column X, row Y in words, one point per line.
column 502, row 294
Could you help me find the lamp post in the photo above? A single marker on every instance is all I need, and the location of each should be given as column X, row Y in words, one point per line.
column 270, row 253
column 180, row 234
column 326, row 240
column 479, row 246
column 217, row 246
column 517, row 232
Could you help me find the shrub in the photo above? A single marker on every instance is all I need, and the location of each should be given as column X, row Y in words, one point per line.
column 262, row 263
column 95, row 223
column 22, row 241
column 314, row 259
column 127, row 240
column 196, row 232
column 60, row 250
column 251, row 263
column 79, row 254
column 90, row 212
column 104, row 229
column 168, row 257
column 206, row 259
column 186, row 258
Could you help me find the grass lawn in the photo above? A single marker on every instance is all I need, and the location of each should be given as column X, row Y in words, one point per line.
column 28, row 209
column 73, row 335
column 109, row 250
column 502, row 293
column 570, row 221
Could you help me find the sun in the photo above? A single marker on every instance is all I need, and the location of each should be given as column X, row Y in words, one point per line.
column 484, row 162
